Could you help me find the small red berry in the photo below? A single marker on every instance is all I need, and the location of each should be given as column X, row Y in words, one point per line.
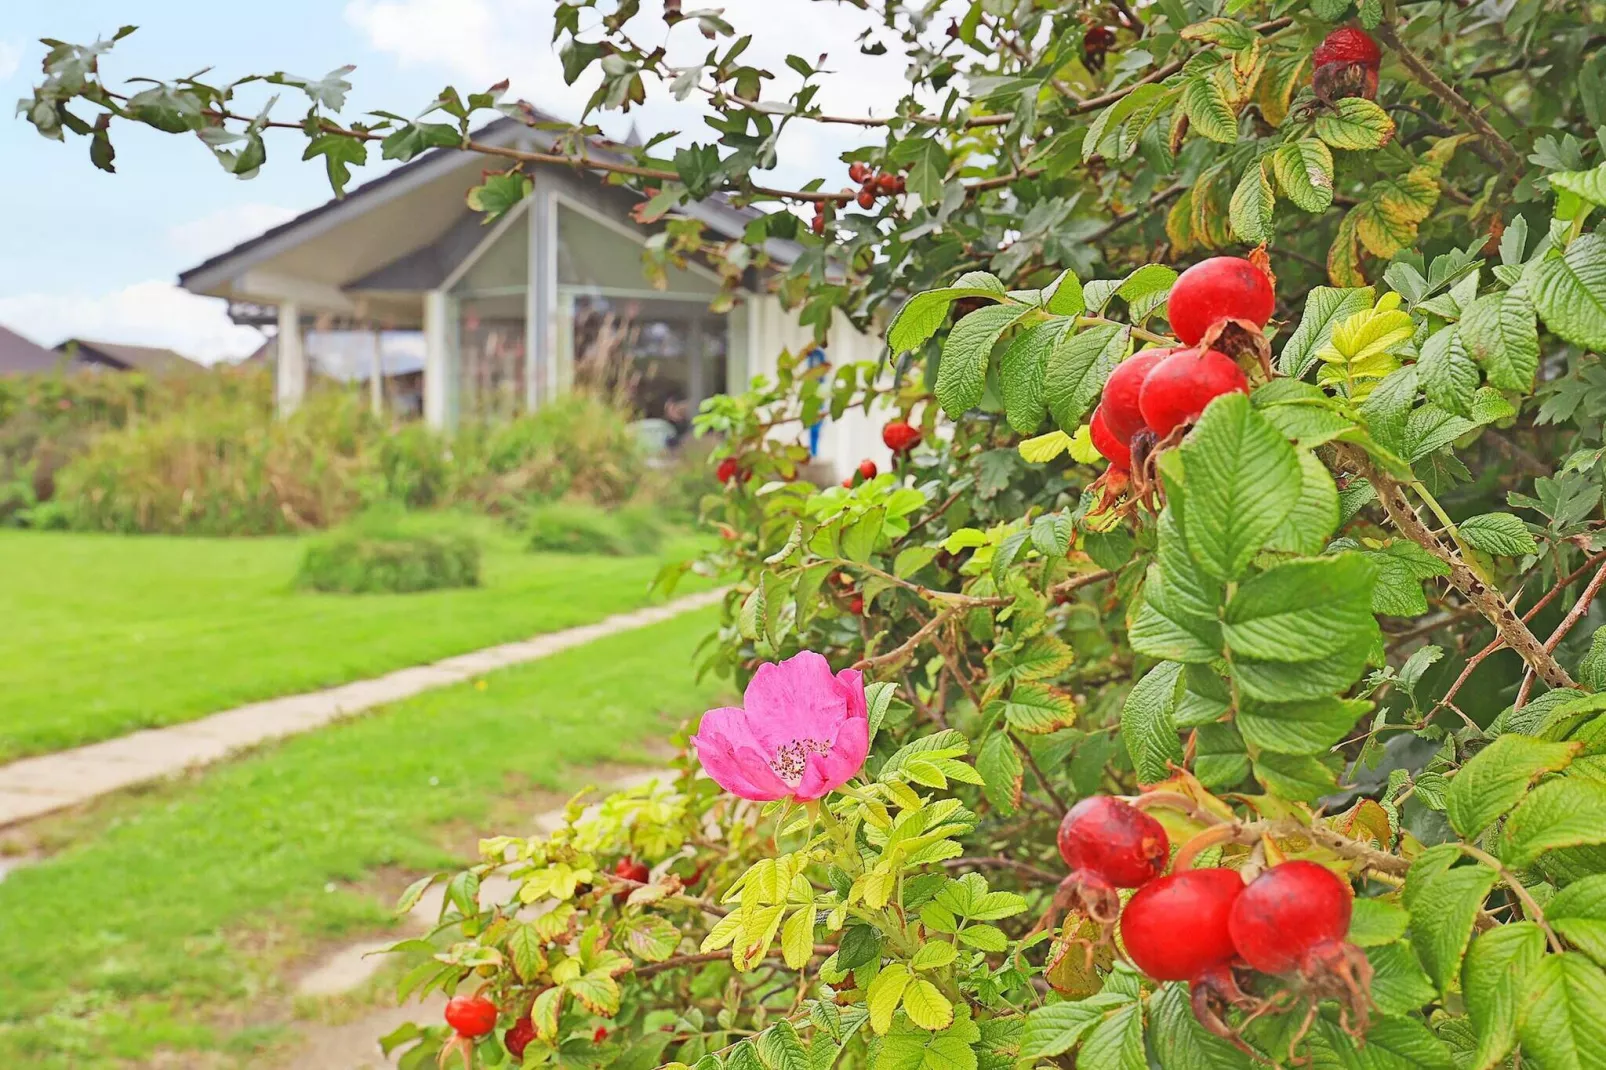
column 847, row 481
column 867, row 468
column 900, row 437
column 727, row 470
column 518, row 1037
column 1179, row 387
column 1288, row 912
column 1114, row 450
column 1120, row 399
column 600, row 1035
column 858, row 171
column 631, row 870
column 1175, row 928
column 1095, row 43
column 867, row 197
column 1114, row 840
column 897, row 184
column 887, row 182
column 817, row 224
column 1348, row 45
column 1220, row 288
column 471, row 1016
column 856, row 606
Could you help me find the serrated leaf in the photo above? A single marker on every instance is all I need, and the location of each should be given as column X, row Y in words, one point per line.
column 1562, row 1021
column 1443, row 906
column 1020, row 374
column 797, row 938
column 1242, row 480
column 780, row 1048
column 1392, row 1043
column 1493, row 978
column 1251, row 209
column 1116, row 1043
column 1569, row 291
column 1565, row 812
column 927, row 1007
column 1314, row 518
column 1304, row 170
column 1500, row 334
column 1038, row 709
column 1374, row 922
column 1355, row 124
column 1056, row 1028
column 1179, row 1042
column 884, row 995
column 1001, row 771
column 1447, row 372
column 1147, row 729
column 1280, row 681
column 1398, row 984
column 1500, row 534
column 1497, row 778
column 1308, row 727
column 1325, row 308
column 962, row 372
column 1578, row 913
column 1586, row 185
column 1302, row 610
column 1295, row 777
column 1078, row 365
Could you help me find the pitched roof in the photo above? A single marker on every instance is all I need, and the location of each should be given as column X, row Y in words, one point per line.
column 18, row 356
column 152, row 359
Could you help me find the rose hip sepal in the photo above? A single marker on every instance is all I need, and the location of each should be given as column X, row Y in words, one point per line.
column 800, row 732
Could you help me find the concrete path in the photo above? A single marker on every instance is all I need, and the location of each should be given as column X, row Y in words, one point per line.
column 33, row 787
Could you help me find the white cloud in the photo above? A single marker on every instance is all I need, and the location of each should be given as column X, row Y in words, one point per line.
column 147, row 313
column 224, row 229
column 10, row 59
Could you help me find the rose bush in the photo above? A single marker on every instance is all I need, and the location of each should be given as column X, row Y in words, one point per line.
column 1325, row 617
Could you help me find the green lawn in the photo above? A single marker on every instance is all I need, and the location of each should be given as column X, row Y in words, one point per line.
column 169, row 923
column 106, row 634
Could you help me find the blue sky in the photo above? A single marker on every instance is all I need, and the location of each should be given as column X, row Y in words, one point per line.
column 91, row 254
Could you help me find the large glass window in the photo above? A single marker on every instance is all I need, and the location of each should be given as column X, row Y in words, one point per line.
column 492, row 360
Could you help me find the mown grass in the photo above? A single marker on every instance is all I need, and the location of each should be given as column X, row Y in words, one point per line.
column 107, row 634
column 171, row 919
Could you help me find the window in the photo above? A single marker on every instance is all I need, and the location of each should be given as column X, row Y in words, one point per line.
column 492, row 362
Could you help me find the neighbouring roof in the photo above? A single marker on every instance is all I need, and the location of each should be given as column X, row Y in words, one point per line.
column 151, row 359
column 18, row 356
column 716, row 211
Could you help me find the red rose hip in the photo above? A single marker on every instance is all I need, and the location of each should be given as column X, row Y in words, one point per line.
column 1181, row 385
column 1115, row 450
column 1114, row 841
column 1120, row 398
column 1175, row 928
column 867, row 468
column 1348, row 45
column 1221, row 288
column 867, row 196
column 726, row 470
column 1288, row 912
column 518, row 1037
column 471, row 1016
column 899, row 437
column 858, row 171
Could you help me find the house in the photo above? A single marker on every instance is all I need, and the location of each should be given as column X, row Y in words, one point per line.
column 507, row 315
column 18, row 356
column 115, row 356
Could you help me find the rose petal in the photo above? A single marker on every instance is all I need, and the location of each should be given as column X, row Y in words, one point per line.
column 793, row 700
column 741, row 771
column 826, row 772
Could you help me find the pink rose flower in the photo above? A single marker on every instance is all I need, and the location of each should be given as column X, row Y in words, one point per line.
column 800, row 732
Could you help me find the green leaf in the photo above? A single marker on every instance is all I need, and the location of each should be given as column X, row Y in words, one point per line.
column 1208, row 109
column 1578, row 913
column 1304, row 170
column 927, row 1007
column 1242, row 480
column 1302, row 610
column 1078, row 365
column 1325, row 308
column 340, row 154
column 1447, row 372
column 1001, row 770
column 1314, row 518
column 931, row 956
column 885, row 993
column 1020, row 374
column 1064, row 295
column 1309, row 727
column 1275, row 681
column 923, row 313
column 1295, row 777
column 1443, row 906
column 1497, row 778
column 1562, row 1023
column 1179, row 1042
column 1392, row 1043
column 1251, row 207
column 925, row 167
column 1586, row 185
column 962, row 373
column 1500, row 334
column 649, row 937
column 859, row 540
column 1402, row 566
column 1052, row 534
column 1356, row 124
column 1398, row 984
column 1115, row 1043
column 1500, row 534
column 780, row 1048
column 1374, row 922
column 1569, row 291
column 1146, row 726
column 1493, row 979
column 1056, row 1028
column 1038, row 709
column 1565, row 812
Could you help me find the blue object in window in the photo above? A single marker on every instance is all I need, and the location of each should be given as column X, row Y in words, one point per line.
column 815, row 358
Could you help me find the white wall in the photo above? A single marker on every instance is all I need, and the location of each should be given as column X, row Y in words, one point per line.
column 845, row 442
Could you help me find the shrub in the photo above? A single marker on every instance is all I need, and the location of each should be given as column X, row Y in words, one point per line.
column 383, row 554
column 574, row 446
column 571, row 527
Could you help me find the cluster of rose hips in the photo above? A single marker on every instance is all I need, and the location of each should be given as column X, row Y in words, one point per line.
column 1152, row 393
column 1345, row 64
column 872, row 184
column 1199, row 925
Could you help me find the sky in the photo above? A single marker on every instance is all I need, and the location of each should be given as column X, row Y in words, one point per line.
column 92, row 255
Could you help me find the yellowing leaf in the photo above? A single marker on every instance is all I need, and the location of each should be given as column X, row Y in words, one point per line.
column 884, row 995
column 1082, row 448
column 1044, row 448
column 1369, row 335
column 927, row 1007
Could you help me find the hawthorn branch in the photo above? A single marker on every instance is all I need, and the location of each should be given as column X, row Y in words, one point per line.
column 1513, row 632
column 1431, row 81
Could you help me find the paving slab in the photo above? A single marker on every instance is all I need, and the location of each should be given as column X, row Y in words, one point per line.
column 33, row 787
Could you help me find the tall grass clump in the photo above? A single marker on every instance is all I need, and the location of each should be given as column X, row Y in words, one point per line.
column 386, row 551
